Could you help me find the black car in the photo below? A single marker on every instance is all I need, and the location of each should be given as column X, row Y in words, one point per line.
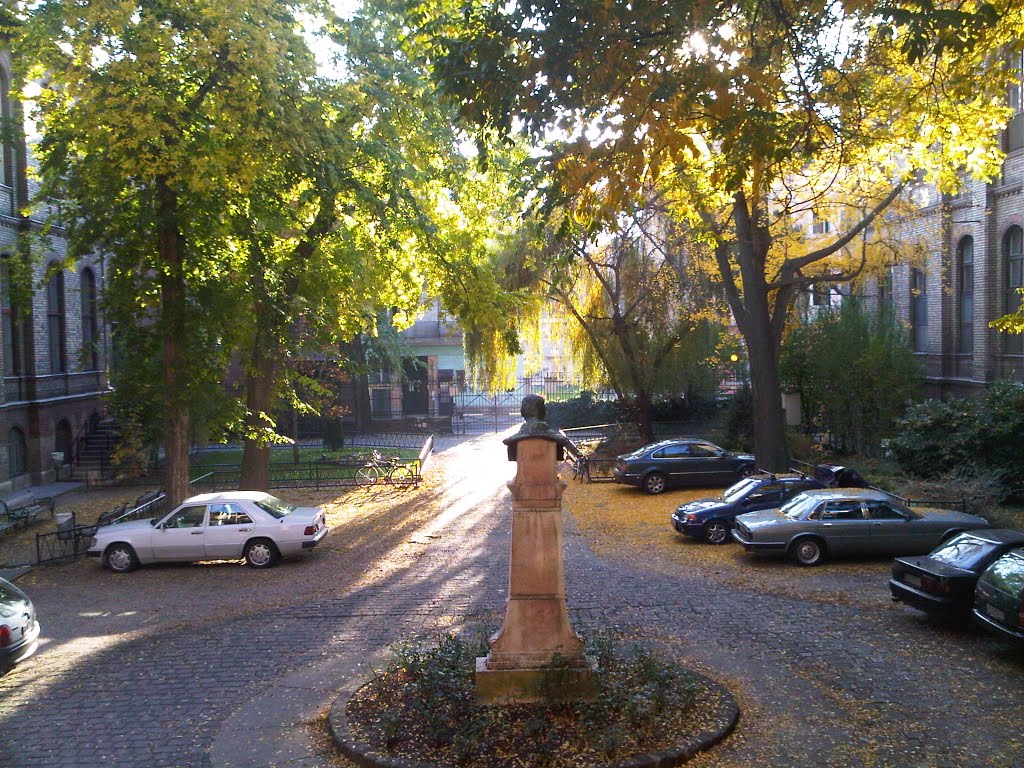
column 684, row 461
column 19, row 630
column 712, row 519
column 942, row 583
column 999, row 597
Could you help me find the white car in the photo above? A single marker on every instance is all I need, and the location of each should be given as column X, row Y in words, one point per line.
column 213, row 526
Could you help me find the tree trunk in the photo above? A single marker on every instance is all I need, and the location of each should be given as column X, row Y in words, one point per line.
column 645, row 416
column 769, row 419
column 173, row 360
column 760, row 316
column 355, row 351
column 259, row 384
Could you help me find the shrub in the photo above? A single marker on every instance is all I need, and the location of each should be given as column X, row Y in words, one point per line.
column 334, row 434
column 423, row 706
column 582, row 411
column 966, row 437
column 739, row 420
column 854, row 372
column 980, row 493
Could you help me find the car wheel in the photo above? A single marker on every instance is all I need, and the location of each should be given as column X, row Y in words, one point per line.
column 716, row 532
column 654, row 483
column 808, row 552
column 261, row 553
column 121, row 558
column 746, row 471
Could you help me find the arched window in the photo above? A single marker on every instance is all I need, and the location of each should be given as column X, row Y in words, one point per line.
column 6, row 148
column 90, row 328
column 919, row 310
column 55, row 322
column 1013, row 252
column 17, row 453
column 965, row 297
column 12, row 326
column 62, row 439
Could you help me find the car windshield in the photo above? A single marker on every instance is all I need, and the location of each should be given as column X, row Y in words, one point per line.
column 274, row 506
column 739, row 490
column 798, row 506
column 963, row 552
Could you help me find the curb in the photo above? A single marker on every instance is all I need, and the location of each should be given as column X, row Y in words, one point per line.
column 367, row 756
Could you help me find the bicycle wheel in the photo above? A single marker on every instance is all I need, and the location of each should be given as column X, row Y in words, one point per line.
column 367, row 476
column 401, row 475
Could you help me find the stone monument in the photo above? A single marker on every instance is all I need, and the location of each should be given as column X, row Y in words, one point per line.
column 535, row 655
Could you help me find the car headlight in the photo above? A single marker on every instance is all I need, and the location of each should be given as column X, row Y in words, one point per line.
column 692, row 518
column 93, row 542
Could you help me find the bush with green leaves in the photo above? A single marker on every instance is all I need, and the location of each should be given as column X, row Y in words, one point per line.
column 582, row 411
column 971, row 437
column 424, row 707
column 855, row 373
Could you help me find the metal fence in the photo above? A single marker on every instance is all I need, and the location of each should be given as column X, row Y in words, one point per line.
column 314, row 474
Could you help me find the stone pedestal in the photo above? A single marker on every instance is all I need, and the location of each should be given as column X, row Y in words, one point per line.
column 535, row 655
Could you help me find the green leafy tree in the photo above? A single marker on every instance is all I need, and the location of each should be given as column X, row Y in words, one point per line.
column 638, row 321
column 855, row 374
column 155, row 120
column 752, row 117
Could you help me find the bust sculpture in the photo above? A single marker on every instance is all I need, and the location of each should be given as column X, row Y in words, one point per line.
column 533, row 411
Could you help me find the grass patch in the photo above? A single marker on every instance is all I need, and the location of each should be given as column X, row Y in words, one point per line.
column 423, row 707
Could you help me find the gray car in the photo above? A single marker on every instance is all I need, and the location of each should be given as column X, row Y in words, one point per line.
column 862, row 521
column 19, row 630
column 683, row 461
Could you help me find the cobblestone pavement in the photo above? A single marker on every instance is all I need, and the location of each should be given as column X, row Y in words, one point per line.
column 819, row 683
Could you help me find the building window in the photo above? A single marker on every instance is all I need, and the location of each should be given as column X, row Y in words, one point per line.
column 820, row 226
column 885, row 294
column 919, row 310
column 55, row 322
column 965, row 297
column 17, row 453
column 90, row 327
column 7, row 126
column 821, row 295
column 1013, row 251
column 1013, row 137
column 12, row 327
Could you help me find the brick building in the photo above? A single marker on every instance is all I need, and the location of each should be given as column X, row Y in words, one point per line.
column 973, row 269
column 54, row 350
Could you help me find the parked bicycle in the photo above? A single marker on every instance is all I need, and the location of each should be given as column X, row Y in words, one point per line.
column 390, row 469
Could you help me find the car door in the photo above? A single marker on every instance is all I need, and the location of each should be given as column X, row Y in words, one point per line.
column 180, row 534
column 765, row 496
column 712, row 464
column 844, row 526
column 892, row 532
column 675, row 463
column 227, row 530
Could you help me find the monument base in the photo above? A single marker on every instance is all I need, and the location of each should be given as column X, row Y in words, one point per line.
column 521, row 686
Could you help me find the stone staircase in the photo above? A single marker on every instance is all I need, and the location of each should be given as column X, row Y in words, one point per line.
column 92, row 462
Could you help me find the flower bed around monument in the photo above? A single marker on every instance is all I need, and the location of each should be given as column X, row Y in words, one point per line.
column 423, row 708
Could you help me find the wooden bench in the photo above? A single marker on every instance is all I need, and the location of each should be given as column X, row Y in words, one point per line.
column 22, row 508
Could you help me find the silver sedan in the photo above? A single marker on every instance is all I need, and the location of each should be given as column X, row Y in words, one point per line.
column 213, row 526
column 816, row 524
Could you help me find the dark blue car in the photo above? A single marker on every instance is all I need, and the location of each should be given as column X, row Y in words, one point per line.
column 711, row 519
